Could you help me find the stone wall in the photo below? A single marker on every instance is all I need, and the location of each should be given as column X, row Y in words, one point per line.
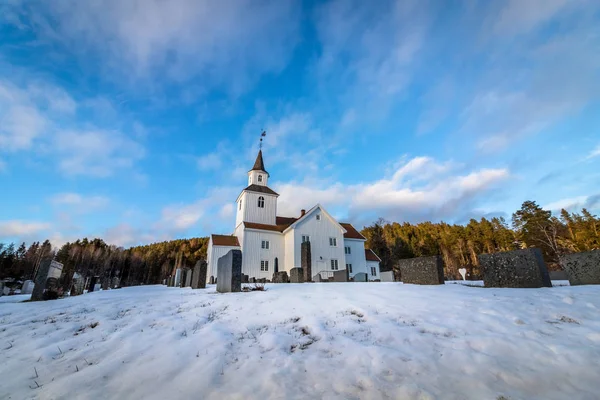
column 422, row 270
column 582, row 268
column 515, row 269
column 229, row 272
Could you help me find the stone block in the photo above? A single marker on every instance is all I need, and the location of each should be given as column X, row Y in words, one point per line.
column 514, row 269
column 211, row 281
column 1, row 288
column 178, row 278
column 340, row 276
column 244, row 278
column 582, row 268
column 387, row 276
column 422, row 270
column 361, row 277
column 188, row 278
column 297, row 275
column 27, row 287
column 48, row 269
column 229, row 272
column 252, row 280
column 280, row 277
column 306, row 261
column 199, row 275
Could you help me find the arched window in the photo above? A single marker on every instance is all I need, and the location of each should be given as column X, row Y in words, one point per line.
column 260, row 178
column 261, row 202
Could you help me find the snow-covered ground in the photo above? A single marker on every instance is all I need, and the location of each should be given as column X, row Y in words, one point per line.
column 347, row 340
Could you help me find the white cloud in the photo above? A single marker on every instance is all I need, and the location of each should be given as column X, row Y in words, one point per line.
column 96, row 153
column 76, row 201
column 228, row 43
column 574, row 203
column 518, row 17
column 594, row 153
column 210, row 161
column 419, row 189
column 21, row 229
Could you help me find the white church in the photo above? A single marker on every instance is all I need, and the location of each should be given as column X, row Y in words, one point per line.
column 269, row 242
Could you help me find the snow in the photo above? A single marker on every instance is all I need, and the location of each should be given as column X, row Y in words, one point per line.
column 331, row 340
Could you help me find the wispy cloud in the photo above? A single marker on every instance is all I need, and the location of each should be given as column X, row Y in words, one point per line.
column 21, row 229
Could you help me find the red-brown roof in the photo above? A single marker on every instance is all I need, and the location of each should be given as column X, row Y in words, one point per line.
column 282, row 224
column 370, row 256
column 225, row 240
column 351, row 232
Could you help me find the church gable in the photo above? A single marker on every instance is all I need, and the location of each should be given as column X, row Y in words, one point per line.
column 319, row 214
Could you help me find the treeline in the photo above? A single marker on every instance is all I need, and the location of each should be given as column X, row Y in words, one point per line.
column 134, row 266
column 459, row 245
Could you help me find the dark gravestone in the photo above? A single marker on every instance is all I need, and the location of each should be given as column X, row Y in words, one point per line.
column 296, row 275
column 49, row 270
column 582, row 268
column 361, row 277
column 211, row 281
column 229, row 272
column 188, row 278
column 170, row 281
column 340, row 276
column 244, row 278
column 280, row 277
column 514, row 269
column 306, row 261
column 92, row 284
column 252, row 280
column 422, row 270
column 317, row 278
column 199, row 275
column 105, row 283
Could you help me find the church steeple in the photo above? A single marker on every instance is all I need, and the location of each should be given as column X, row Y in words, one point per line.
column 259, row 164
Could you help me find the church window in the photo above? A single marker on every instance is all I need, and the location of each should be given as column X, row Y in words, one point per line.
column 349, row 268
column 334, row 265
column 264, row 265
column 261, row 202
column 347, row 250
column 373, row 271
column 260, row 178
column 333, row 242
column 265, row 244
column 305, row 238
column 318, row 217
column 240, row 204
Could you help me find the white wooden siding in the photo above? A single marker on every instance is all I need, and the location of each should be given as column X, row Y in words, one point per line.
column 320, row 232
column 376, row 265
column 356, row 256
column 253, row 253
column 253, row 213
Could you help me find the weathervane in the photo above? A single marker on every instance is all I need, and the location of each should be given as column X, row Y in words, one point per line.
column 262, row 135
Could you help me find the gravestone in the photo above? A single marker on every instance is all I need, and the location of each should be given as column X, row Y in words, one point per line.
column 27, row 287
column 306, row 261
column 188, row 278
column 340, row 276
column 178, row 277
column 252, row 280
column 244, row 278
column 116, row 282
column 422, row 270
column 199, row 276
column 229, row 272
column 48, row 269
column 387, row 276
column 280, row 277
column 296, row 275
column 463, row 273
column 1, row 288
column 582, row 268
column 514, row 269
column 170, row 281
column 97, row 287
column 92, row 283
column 211, row 280
column 361, row 277
column 316, row 278
column 105, row 283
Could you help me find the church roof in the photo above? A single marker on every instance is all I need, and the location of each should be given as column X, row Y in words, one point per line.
column 259, row 164
column 351, row 232
column 225, row 240
column 370, row 256
column 261, row 189
column 282, row 224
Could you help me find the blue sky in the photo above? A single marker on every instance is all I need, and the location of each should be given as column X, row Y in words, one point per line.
column 137, row 120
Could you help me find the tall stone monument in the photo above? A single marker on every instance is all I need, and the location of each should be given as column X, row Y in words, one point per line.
column 582, row 268
column 199, row 275
column 306, row 261
column 46, row 280
column 229, row 272
column 515, row 269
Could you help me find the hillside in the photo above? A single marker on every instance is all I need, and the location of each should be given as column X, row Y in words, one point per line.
column 334, row 341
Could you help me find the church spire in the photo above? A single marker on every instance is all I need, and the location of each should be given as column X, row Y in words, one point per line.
column 259, row 164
